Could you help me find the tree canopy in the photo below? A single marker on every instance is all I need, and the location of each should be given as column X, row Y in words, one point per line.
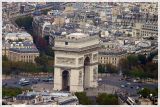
column 139, row 66
column 83, row 99
column 12, row 91
column 107, row 68
column 107, row 99
column 24, row 21
column 146, row 92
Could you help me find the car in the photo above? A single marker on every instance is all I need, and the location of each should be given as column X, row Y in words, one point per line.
column 137, row 87
column 37, row 79
column 45, row 80
column 34, row 82
column 134, row 80
column 122, row 86
column 128, row 83
column 131, row 86
column 100, row 79
column 24, row 82
column 48, row 79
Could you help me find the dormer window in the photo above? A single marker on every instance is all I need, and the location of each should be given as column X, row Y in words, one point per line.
column 66, row 43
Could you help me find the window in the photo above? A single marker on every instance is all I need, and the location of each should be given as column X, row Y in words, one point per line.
column 66, row 43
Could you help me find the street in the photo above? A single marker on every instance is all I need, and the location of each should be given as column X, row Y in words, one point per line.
column 112, row 83
column 109, row 84
column 14, row 82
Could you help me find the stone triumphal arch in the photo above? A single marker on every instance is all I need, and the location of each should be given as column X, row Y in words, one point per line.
column 76, row 62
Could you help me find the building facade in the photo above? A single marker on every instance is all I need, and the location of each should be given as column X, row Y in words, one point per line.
column 23, row 55
column 25, row 52
column 111, row 57
column 145, row 30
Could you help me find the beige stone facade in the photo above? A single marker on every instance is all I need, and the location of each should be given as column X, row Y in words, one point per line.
column 111, row 57
column 25, row 57
column 76, row 54
column 145, row 30
column 5, row 51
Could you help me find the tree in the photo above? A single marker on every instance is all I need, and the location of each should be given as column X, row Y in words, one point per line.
column 145, row 92
column 152, row 55
column 101, row 68
column 10, row 67
column 142, row 59
column 49, row 51
column 10, row 91
column 13, row 91
column 132, row 60
column 83, row 99
column 111, row 68
column 42, row 59
column 124, row 66
column 151, row 70
column 139, row 66
column 137, row 72
column 107, row 99
column 24, row 21
column 41, row 43
column 4, row 58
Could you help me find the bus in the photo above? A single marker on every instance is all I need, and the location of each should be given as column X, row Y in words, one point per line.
column 131, row 101
column 24, row 82
column 72, row 100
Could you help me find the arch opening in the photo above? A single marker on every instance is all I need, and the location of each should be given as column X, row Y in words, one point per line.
column 65, row 81
column 86, row 72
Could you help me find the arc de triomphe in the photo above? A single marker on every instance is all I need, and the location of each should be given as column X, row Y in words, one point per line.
column 76, row 62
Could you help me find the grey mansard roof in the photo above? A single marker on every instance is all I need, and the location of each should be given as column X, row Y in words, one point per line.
column 114, row 52
column 25, row 50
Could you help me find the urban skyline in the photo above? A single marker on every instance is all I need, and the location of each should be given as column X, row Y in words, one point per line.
column 80, row 53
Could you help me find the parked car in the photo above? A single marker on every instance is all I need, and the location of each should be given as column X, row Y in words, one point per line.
column 48, row 79
column 24, row 82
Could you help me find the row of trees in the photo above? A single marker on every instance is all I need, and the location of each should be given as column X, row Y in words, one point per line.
column 107, row 68
column 41, row 43
column 134, row 65
column 12, row 91
column 139, row 66
column 43, row 65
